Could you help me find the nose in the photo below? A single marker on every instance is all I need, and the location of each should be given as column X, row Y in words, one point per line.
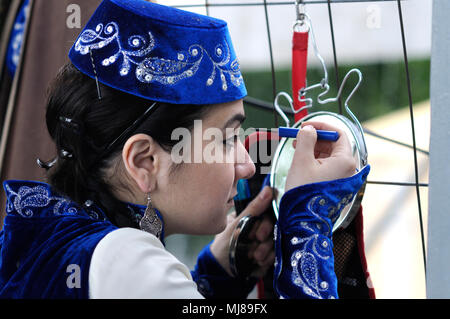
column 244, row 166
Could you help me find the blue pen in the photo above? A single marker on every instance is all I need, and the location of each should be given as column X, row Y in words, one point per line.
column 292, row 133
column 321, row 134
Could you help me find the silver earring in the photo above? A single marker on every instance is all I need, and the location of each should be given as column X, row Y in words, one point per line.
column 151, row 222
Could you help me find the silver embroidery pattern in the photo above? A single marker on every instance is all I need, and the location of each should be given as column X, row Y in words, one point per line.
column 313, row 247
column 305, row 266
column 28, row 198
column 155, row 69
column 305, row 261
column 334, row 211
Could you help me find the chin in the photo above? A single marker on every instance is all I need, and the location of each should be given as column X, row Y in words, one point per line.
column 214, row 225
column 221, row 229
column 213, row 229
column 206, row 229
column 217, row 227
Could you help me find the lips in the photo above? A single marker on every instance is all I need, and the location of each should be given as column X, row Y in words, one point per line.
column 230, row 201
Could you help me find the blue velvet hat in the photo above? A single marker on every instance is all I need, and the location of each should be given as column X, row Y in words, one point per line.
column 159, row 53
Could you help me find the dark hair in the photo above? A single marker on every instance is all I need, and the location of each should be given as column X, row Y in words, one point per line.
column 82, row 125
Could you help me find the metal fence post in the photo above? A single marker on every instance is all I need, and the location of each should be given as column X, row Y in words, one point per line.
column 438, row 248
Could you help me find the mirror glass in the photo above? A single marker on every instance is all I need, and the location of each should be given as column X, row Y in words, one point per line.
column 284, row 154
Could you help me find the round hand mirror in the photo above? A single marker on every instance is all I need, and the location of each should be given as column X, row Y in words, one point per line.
column 284, row 154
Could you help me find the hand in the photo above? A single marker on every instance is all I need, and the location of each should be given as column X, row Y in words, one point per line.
column 317, row 161
column 262, row 251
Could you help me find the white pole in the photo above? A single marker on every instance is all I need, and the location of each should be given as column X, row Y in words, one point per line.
column 438, row 245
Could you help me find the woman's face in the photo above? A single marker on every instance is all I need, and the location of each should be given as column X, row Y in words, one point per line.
column 195, row 196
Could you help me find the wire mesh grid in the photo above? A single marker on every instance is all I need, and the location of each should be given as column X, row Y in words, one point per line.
column 388, row 281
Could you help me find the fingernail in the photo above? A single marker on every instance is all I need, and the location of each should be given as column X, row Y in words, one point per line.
column 308, row 127
column 265, row 193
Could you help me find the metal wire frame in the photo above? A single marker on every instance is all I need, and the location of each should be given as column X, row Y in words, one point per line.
column 411, row 111
column 273, row 3
column 269, row 106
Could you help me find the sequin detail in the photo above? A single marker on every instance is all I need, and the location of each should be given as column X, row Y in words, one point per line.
column 28, row 198
column 305, row 266
column 156, row 69
column 314, row 248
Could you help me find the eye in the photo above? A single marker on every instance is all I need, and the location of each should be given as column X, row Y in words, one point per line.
column 229, row 142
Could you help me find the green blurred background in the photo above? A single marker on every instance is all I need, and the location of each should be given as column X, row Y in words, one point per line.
column 383, row 89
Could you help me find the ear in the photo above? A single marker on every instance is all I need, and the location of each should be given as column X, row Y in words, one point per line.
column 141, row 159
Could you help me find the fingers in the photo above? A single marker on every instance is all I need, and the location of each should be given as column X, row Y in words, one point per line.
column 260, row 203
column 269, row 260
column 255, row 208
column 220, row 245
column 337, row 154
column 305, row 144
column 231, row 217
column 264, row 230
column 321, row 126
column 318, row 160
column 325, row 149
column 264, row 258
column 262, row 251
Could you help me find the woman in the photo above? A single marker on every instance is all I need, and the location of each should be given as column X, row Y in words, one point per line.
column 138, row 73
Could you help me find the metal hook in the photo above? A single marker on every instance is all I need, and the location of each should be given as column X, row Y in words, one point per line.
column 324, row 82
column 304, row 20
column 278, row 108
column 299, row 24
column 334, row 99
column 300, row 12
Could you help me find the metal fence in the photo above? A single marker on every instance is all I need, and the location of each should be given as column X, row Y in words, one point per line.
column 208, row 5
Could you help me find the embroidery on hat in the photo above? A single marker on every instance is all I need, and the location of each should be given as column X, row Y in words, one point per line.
column 162, row 70
column 167, row 71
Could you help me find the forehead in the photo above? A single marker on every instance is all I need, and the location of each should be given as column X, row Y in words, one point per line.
column 219, row 114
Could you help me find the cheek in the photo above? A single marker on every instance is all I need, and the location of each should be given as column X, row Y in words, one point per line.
column 200, row 194
column 222, row 177
column 215, row 189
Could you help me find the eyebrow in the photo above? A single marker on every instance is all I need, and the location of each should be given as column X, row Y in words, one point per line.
column 239, row 118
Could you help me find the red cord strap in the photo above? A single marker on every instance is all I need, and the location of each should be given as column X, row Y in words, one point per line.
column 299, row 66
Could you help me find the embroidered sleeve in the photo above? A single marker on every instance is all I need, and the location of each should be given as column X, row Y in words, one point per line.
column 304, row 265
column 214, row 282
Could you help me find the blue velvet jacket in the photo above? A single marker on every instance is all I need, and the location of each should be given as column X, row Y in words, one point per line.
column 47, row 238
